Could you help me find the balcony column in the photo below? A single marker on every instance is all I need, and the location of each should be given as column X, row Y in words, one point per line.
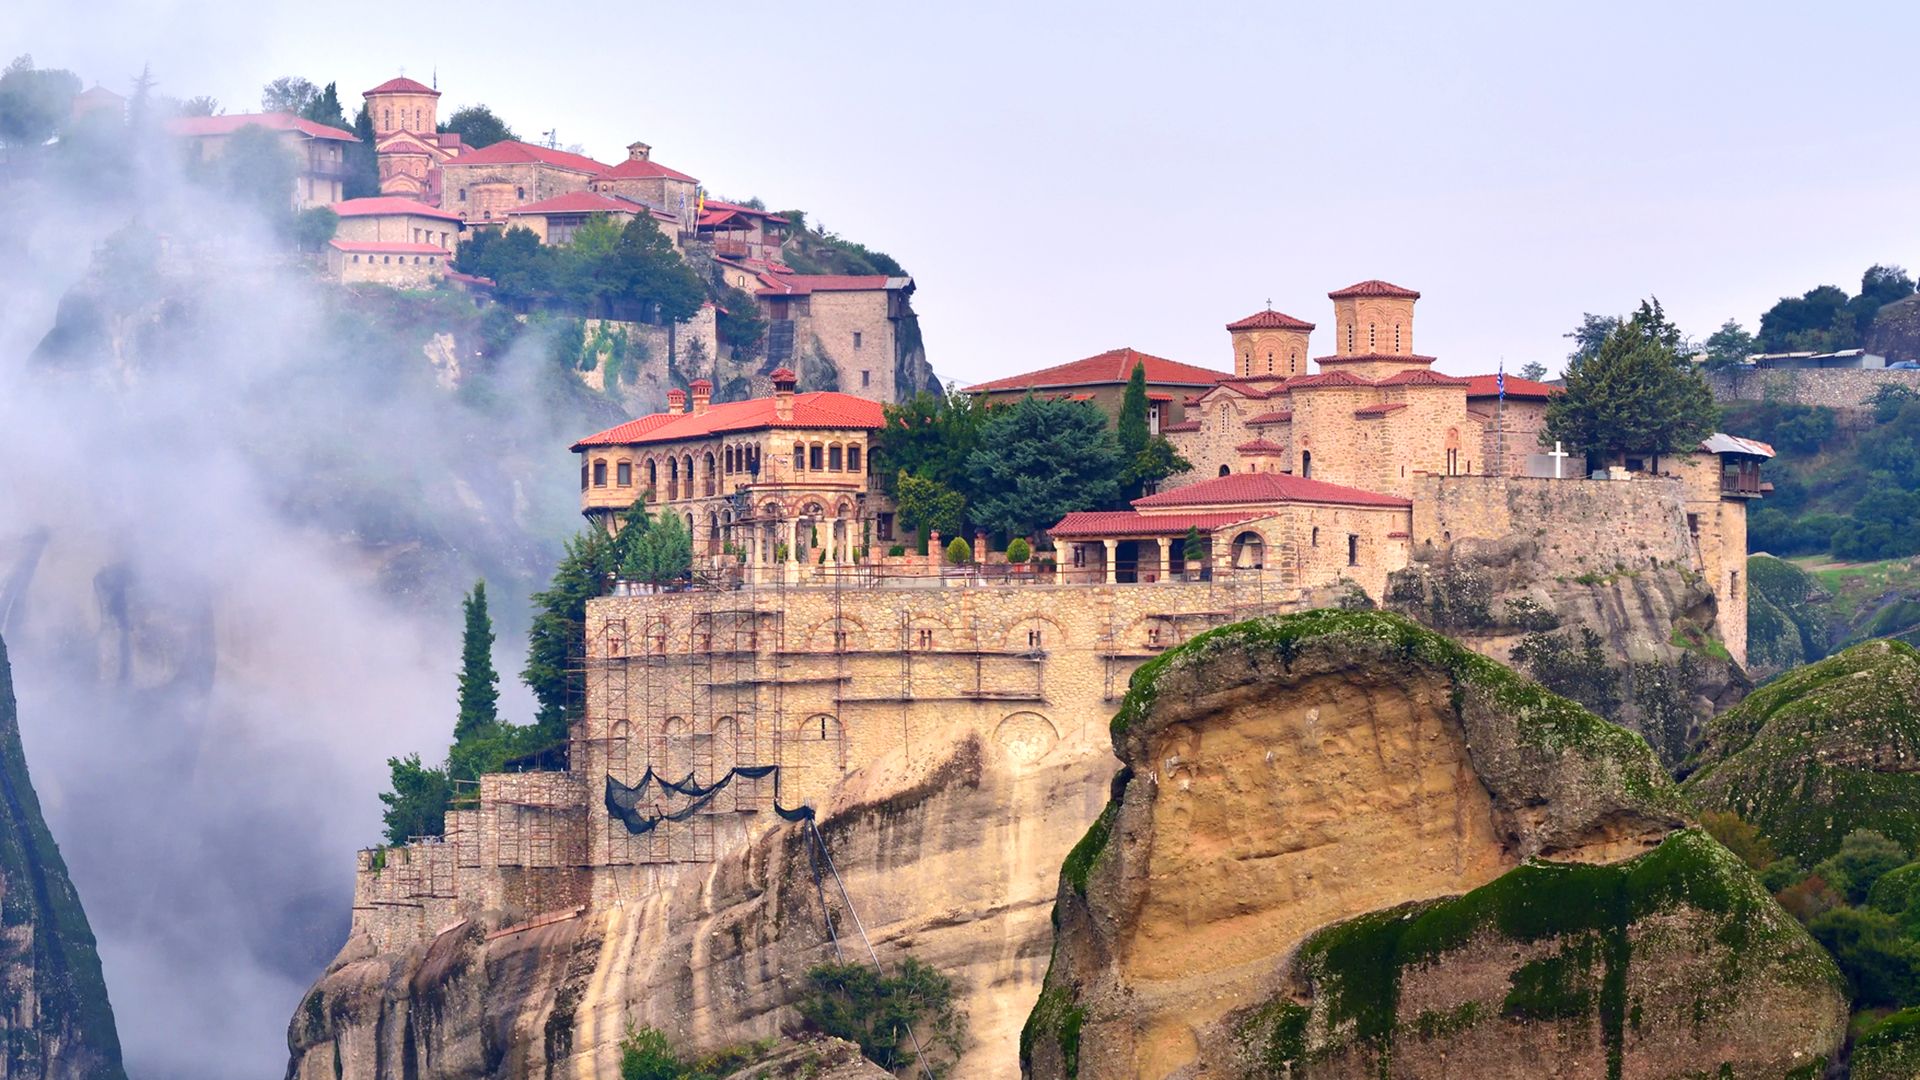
column 1113, row 549
column 1166, row 559
column 833, row 542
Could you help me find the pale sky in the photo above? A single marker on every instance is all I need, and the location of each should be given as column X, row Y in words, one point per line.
column 1064, row 179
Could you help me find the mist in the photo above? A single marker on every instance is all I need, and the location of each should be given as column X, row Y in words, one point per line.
column 237, row 511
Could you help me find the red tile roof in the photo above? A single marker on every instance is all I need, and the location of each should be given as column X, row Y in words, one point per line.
column 197, row 126
column 1157, row 395
column 802, row 284
column 1265, row 488
column 1106, row 523
column 1372, row 358
column 390, row 204
column 1245, row 388
column 401, row 85
column 1327, row 378
column 582, row 202
column 1420, row 377
column 519, row 153
column 1260, row 446
column 1479, row 386
column 1112, row 366
column 817, row 409
column 365, row 247
column 1382, row 409
column 1270, row 320
column 1374, row 287
column 1184, row 425
column 1278, row 416
column 632, row 169
column 718, row 204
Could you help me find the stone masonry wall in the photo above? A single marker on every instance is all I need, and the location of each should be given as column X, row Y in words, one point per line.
column 1835, row 388
column 1588, row 525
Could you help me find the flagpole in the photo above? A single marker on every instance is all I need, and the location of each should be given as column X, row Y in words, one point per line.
column 1500, row 418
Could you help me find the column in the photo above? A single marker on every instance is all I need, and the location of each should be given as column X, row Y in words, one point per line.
column 833, row 542
column 1113, row 547
column 1166, row 558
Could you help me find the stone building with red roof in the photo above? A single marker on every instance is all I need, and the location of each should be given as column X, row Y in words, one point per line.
column 644, row 180
column 482, row 185
column 1102, row 380
column 319, row 150
column 780, row 482
column 407, row 140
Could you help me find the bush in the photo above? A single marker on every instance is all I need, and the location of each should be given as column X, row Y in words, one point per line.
column 1863, row 857
column 1019, row 551
column 1810, row 899
column 857, row 1003
column 897, row 550
column 1740, row 838
column 959, row 553
column 1878, row 961
column 645, row 1054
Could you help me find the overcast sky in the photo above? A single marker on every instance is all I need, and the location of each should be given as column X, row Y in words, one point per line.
column 1064, row 179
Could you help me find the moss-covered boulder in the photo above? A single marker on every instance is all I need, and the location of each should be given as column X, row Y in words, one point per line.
column 1821, row 751
column 1785, row 627
column 1889, row 1050
column 1344, row 845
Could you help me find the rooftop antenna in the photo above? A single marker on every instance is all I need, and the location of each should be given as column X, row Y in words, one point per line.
column 553, row 138
column 436, row 76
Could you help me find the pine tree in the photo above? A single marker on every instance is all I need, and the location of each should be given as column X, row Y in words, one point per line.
column 1633, row 394
column 559, row 632
column 479, row 683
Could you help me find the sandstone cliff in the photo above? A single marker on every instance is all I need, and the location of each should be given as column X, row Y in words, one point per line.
column 952, row 862
column 1342, row 845
column 56, row 1022
column 1657, row 666
column 1821, row 751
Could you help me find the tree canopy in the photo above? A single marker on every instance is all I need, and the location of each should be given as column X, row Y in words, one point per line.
column 1038, row 460
column 1826, row 319
column 289, row 94
column 479, row 683
column 929, row 435
column 659, row 551
column 34, row 102
column 607, row 271
column 477, row 126
column 1635, row 393
column 325, row 108
column 1729, row 345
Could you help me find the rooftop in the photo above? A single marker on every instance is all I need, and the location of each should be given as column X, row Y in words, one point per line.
column 1485, row 386
column 389, row 204
column 1265, row 488
column 519, row 153
column 1112, row 366
column 1119, row 523
column 584, row 202
column 401, row 85
column 776, row 284
column 817, row 409
column 1270, row 320
column 642, row 169
column 201, row 126
column 1374, row 287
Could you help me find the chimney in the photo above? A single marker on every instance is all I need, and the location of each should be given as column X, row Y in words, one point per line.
column 783, row 383
column 702, row 393
column 638, row 151
column 676, row 400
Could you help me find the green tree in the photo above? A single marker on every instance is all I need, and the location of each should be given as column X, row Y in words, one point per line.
column 1864, row 855
column 363, row 164
column 959, row 552
column 1018, row 550
column 417, row 805
column 201, row 105
column 1534, row 370
column 926, row 506
column 288, row 94
column 1592, row 331
column 1039, row 460
column 857, row 1003
column 663, row 554
column 1635, row 394
column 1729, row 345
column 1881, row 964
column 258, row 170
column 313, row 227
column 34, row 102
column 931, row 436
column 1815, row 321
column 1131, row 427
column 325, row 108
column 477, row 126
column 1156, row 461
column 479, row 683
column 559, row 631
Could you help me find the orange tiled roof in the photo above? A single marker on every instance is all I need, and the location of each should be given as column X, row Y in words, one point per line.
column 389, row 204
column 1270, row 320
column 273, row 121
column 1374, row 287
column 1266, row 488
column 401, row 85
column 1278, row 416
column 1480, row 386
column 519, row 153
column 1114, row 523
column 817, row 409
column 631, row 169
column 1260, row 446
column 1112, row 366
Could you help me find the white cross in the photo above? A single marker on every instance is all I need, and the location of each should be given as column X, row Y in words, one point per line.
column 1558, row 456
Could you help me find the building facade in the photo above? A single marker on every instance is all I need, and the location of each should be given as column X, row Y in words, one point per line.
column 1102, row 379
column 483, row 185
column 389, row 219
column 319, row 151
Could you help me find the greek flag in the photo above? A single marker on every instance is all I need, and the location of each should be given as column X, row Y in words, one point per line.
column 1500, row 380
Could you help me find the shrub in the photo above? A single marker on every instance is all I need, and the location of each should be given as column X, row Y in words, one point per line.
column 1018, row 550
column 959, row 553
column 859, row 1004
column 1740, row 838
column 1863, row 857
column 1878, row 961
column 1810, row 899
column 897, row 550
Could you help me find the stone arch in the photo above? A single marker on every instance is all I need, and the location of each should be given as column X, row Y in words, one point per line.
column 841, row 634
column 1051, row 635
column 1249, row 551
column 924, row 633
column 1026, row 736
column 712, row 480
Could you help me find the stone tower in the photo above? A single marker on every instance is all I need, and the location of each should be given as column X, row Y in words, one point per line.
column 1373, row 318
column 403, row 105
column 1270, row 343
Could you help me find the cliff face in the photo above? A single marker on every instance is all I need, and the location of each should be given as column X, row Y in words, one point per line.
column 56, row 1020
column 1655, row 665
column 952, row 863
column 1343, row 846
column 1823, row 750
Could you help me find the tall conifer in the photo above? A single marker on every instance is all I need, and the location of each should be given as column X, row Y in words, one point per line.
column 479, row 683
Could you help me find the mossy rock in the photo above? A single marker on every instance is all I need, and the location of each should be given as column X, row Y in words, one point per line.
column 1821, row 751
column 1631, row 959
column 1785, row 627
column 1890, row 1049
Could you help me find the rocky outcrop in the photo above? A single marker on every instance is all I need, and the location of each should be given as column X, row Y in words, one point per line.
column 1821, row 751
column 1784, row 625
column 1895, row 333
column 1342, row 845
column 56, row 1022
column 1655, row 664
column 951, row 861
column 1888, row 1049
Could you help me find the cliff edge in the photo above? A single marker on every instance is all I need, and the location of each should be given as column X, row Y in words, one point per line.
column 1343, row 845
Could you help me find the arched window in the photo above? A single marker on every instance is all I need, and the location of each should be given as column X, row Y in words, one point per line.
column 463, row 194
column 653, row 474
column 1224, row 470
column 820, row 727
column 386, row 119
column 1269, row 361
column 1315, row 542
column 1349, row 337
column 600, row 474
column 833, row 458
column 519, row 193
column 1306, row 463
column 1370, row 344
column 799, row 457
column 711, row 479
column 853, row 459
column 1396, row 337
column 1249, row 551
column 727, row 459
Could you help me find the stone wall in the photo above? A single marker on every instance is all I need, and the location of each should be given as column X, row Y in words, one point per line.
column 399, row 229
column 1835, row 388
column 524, row 182
column 398, row 271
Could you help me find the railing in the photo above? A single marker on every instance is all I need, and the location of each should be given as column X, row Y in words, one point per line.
column 1740, row 483
column 737, row 249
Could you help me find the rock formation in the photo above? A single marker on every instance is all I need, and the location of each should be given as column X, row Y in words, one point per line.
column 1895, row 333
column 1785, row 627
column 1342, row 845
column 952, row 862
column 56, row 1021
column 1821, row 751
column 1662, row 675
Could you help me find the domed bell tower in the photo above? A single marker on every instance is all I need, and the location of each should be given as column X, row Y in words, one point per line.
column 1269, row 344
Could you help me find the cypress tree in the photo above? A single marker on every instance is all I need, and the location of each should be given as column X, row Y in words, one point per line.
column 479, row 683
column 1132, row 427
